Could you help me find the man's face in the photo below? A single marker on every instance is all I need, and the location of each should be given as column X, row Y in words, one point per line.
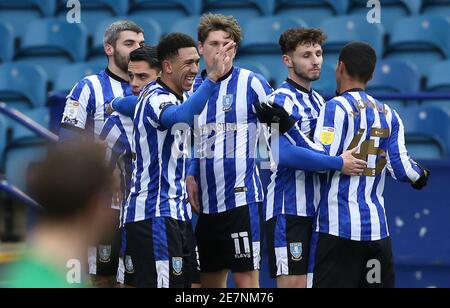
column 214, row 41
column 140, row 75
column 184, row 68
column 307, row 61
column 127, row 42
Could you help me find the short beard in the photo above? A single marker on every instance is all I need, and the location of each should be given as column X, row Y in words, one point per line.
column 303, row 76
column 121, row 62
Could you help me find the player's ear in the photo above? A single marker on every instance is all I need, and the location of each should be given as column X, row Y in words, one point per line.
column 109, row 49
column 167, row 66
column 200, row 48
column 287, row 61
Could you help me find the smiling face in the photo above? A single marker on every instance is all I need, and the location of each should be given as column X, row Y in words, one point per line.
column 306, row 61
column 183, row 68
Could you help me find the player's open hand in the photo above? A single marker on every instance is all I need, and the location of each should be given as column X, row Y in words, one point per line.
column 352, row 165
column 221, row 62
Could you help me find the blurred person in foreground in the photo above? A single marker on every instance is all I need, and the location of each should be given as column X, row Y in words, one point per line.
column 73, row 186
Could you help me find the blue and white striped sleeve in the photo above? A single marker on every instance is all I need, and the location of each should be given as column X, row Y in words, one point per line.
column 294, row 134
column 330, row 128
column 113, row 133
column 79, row 104
column 400, row 165
column 261, row 88
column 155, row 106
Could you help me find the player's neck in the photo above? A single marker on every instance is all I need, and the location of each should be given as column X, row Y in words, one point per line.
column 351, row 84
column 113, row 68
column 306, row 84
column 171, row 85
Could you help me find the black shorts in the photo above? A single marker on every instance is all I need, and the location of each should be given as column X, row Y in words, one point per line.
column 288, row 243
column 159, row 252
column 230, row 240
column 343, row 263
column 192, row 262
column 104, row 259
column 126, row 273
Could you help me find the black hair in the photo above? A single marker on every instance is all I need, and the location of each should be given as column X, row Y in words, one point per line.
column 170, row 44
column 147, row 54
column 359, row 59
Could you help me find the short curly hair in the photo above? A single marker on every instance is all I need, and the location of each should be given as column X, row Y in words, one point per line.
column 291, row 38
column 216, row 22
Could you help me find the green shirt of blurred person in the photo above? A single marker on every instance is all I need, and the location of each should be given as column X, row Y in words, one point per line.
column 73, row 185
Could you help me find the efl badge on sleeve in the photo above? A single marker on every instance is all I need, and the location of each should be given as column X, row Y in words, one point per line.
column 104, row 252
column 227, row 102
column 296, row 250
column 327, row 135
column 177, row 264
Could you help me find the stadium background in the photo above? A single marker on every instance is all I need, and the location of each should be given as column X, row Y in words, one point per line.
column 42, row 56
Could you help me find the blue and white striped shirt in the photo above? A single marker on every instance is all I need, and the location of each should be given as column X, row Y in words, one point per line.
column 353, row 206
column 86, row 103
column 295, row 192
column 227, row 134
column 118, row 133
column 159, row 168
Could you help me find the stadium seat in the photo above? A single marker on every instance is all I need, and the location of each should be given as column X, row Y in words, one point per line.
column 21, row 134
column 69, row 75
column 391, row 10
column 438, row 80
column 395, row 76
column 313, row 12
column 23, row 86
column 19, row 13
column 256, row 67
column 94, row 11
column 437, row 8
column 344, row 29
column 326, row 85
column 187, row 25
column 152, row 33
column 427, row 132
column 3, row 136
column 165, row 12
column 243, row 11
column 262, row 33
column 422, row 40
column 7, row 46
column 53, row 43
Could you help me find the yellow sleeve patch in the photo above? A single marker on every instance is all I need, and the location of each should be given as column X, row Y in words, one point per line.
column 327, row 135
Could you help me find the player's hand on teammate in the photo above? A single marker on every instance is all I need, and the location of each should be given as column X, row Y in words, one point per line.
column 193, row 192
column 221, row 62
column 352, row 166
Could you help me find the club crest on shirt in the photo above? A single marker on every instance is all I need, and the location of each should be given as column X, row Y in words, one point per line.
column 296, row 250
column 104, row 252
column 177, row 265
column 327, row 135
column 227, row 102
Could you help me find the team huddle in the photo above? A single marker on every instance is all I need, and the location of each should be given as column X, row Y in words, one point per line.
column 182, row 140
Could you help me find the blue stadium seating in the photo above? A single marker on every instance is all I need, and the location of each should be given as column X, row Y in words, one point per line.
column 422, row 40
column 7, row 46
column 3, row 136
column 25, row 147
column 53, row 43
column 344, row 29
column 152, row 33
column 165, row 12
column 19, row 13
column 391, row 10
column 69, row 75
column 22, row 86
column 242, row 10
column 394, row 76
column 94, row 11
column 437, row 8
column 187, row 25
column 438, row 80
column 256, row 67
column 427, row 132
column 313, row 12
column 326, row 85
